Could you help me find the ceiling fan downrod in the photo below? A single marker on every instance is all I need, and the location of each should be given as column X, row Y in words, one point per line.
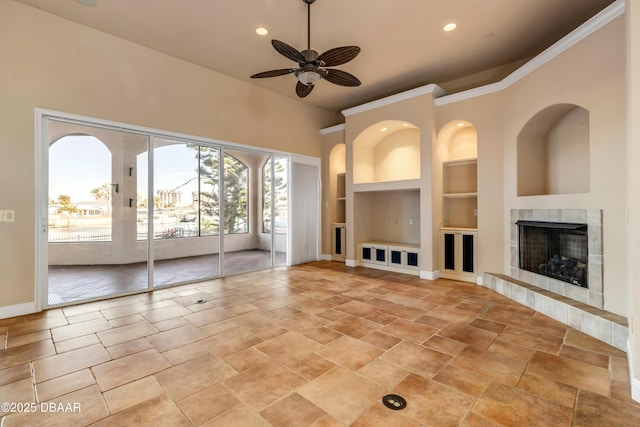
column 309, row 3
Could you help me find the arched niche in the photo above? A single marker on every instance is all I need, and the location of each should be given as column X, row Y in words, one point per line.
column 387, row 151
column 553, row 152
column 457, row 146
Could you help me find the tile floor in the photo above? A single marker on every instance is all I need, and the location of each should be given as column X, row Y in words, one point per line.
column 312, row 345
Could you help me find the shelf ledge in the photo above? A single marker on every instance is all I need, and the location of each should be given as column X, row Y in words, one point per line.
column 459, row 195
column 456, row 162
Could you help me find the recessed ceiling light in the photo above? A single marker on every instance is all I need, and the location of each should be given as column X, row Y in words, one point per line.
column 460, row 125
column 405, row 124
column 87, row 3
column 449, row 27
column 262, row 31
column 383, row 129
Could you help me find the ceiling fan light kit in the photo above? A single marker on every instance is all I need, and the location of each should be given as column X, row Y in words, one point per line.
column 311, row 65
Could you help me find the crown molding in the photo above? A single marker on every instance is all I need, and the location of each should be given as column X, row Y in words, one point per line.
column 332, row 129
column 434, row 89
column 589, row 27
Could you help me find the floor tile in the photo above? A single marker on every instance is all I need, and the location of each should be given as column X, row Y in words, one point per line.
column 476, row 337
column 173, row 338
column 193, row 376
column 431, row 403
column 50, row 389
column 130, row 368
column 15, row 373
column 551, row 390
column 262, row 385
column 131, row 394
column 240, row 416
column 86, row 406
column 75, row 343
column 296, row 345
column 449, row 346
column 572, row 372
column 71, row 361
column 25, row 353
column 310, row 366
column 512, row 407
column 230, row 342
column 293, row 410
column 126, row 333
column 79, row 329
column 342, row 394
column 354, row 326
column 159, row 411
column 207, row 404
column 462, row 380
column 349, row 352
column 20, row 391
column 498, row 367
column 410, row 331
column 383, row 373
column 417, row 359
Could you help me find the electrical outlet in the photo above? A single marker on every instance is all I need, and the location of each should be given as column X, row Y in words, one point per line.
column 410, row 221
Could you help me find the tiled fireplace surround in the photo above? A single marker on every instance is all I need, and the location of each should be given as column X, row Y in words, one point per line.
column 577, row 307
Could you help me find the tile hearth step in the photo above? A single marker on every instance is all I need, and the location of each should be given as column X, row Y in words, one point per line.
column 601, row 324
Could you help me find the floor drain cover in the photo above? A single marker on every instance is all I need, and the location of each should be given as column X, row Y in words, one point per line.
column 395, row 402
column 201, row 301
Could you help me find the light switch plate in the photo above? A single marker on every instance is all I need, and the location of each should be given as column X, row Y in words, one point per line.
column 7, row 215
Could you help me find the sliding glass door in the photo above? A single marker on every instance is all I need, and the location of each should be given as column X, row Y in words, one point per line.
column 92, row 216
column 128, row 211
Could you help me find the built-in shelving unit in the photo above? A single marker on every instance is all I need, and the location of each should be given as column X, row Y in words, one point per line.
column 389, row 256
column 460, row 193
column 341, row 198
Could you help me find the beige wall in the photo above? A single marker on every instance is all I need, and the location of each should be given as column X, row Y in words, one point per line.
column 590, row 74
column 633, row 161
column 52, row 63
column 397, row 156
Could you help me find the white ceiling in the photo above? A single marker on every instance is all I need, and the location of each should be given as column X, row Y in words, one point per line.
column 403, row 45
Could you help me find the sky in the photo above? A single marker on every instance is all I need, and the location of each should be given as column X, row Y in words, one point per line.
column 78, row 164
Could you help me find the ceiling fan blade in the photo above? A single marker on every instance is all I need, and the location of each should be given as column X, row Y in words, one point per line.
column 338, row 55
column 288, row 51
column 273, row 73
column 339, row 77
column 303, row 90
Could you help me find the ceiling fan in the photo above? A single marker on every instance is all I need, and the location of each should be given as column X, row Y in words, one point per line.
column 311, row 65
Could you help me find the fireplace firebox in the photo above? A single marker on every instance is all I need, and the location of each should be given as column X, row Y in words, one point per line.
column 555, row 249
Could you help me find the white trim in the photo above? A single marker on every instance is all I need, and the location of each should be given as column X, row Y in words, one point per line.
column 436, row 90
column 429, row 275
column 325, row 257
column 586, row 29
column 351, row 263
column 17, row 310
column 479, row 280
column 332, row 129
column 635, row 383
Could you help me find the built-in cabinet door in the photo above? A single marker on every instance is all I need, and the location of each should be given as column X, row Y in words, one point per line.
column 338, row 242
column 458, row 254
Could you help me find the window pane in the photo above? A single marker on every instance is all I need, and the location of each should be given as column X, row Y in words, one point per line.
column 280, row 186
column 266, row 196
column 236, row 188
column 79, row 190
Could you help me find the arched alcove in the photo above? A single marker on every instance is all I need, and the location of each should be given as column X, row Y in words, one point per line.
column 553, row 152
column 387, row 151
column 457, row 144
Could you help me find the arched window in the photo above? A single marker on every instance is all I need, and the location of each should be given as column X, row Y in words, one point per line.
column 79, row 190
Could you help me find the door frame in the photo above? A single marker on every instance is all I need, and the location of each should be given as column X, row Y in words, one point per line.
column 41, row 117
